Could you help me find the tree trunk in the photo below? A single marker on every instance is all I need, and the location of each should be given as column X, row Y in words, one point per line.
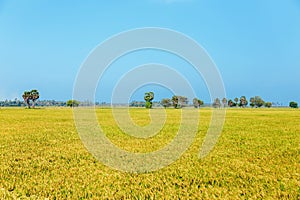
column 28, row 102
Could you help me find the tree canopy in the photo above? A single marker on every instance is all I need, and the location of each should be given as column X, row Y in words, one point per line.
column 166, row 102
column 268, row 104
column 243, row 101
column 73, row 103
column 32, row 95
column 149, row 96
column 293, row 104
column 197, row 103
column 216, row 103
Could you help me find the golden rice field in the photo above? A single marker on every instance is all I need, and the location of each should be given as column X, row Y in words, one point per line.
column 256, row 157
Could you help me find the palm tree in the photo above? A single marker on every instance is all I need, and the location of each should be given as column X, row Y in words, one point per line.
column 32, row 95
column 236, row 100
column 27, row 96
column 195, row 102
column 224, row 101
column 243, row 102
column 149, row 96
column 175, row 101
column 231, row 103
column 217, row 103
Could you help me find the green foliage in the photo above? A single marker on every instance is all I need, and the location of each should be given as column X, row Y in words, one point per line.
column 72, row 103
column 149, row 96
column 236, row 100
column 32, row 95
column 257, row 101
column 231, row 103
column 137, row 104
column 216, row 103
column 179, row 101
column 224, row 102
column 197, row 103
column 200, row 102
column 293, row 104
column 183, row 101
column 268, row 104
column 148, row 104
column 175, row 102
column 243, row 101
column 166, row 102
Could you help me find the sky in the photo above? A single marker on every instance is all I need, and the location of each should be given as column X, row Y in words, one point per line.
column 254, row 44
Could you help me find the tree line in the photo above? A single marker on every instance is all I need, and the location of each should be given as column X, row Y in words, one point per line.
column 256, row 101
column 178, row 101
column 40, row 103
column 30, row 99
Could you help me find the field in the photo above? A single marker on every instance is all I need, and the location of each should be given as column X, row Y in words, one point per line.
column 257, row 156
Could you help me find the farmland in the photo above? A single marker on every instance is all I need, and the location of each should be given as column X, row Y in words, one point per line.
column 257, row 156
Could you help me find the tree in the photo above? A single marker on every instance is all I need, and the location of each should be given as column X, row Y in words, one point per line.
column 224, row 101
column 149, row 96
column 243, row 102
column 258, row 101
column 197, row 103
column 231, row 103
column 293, row 104
column 200, row 102
column 216, row 103
column 73, row 103
column 179, row 101
column 32, row 95
column 26, row 96
column 252, row 102
column 236, row 100
column 268, row 104
column 175, row 101
column 183, row 101
column 165, row 102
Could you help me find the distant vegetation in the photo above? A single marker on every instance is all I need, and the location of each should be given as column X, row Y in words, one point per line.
column 72, row 103
column 32, row 95
column 177, row 101
column 197, row 103
column 149, row 96
column 166, row 102
column 42, row 103
column 293, row 104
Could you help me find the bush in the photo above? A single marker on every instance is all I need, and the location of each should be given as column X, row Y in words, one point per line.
column 268, row 104
column 73, row 103
column 293, row 104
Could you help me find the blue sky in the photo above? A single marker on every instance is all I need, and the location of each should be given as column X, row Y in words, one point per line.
column 255, row 44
